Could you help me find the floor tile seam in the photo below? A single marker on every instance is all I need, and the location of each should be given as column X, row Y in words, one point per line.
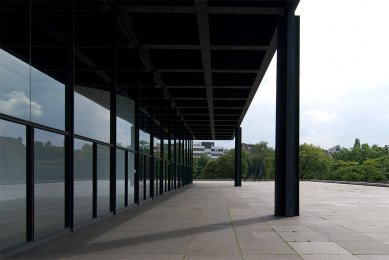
column 335, row 224
column 233, row 228
column 186, row 254
column 382, row 242
column 286, row 242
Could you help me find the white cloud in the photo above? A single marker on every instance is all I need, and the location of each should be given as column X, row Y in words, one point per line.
column 318, row 115
column 18, row 104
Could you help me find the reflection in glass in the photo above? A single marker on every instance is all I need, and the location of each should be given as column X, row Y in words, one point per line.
column 144, row 142
column 131, row 168
column 49, row 183
column 141, row 177
column 15, row 87
column 156, row 177
column 12, row 184
column 103, row 177
column 120, row 178
column 91, row 113
column 83, row 180
column 147, row 176
column 48, row 59
column 125, row 122
column 47, row 100
column 157, row 147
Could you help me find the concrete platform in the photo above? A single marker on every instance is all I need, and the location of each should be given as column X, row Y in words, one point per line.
column 214, row 220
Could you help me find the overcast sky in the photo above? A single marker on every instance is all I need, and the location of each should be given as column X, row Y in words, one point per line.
column 344, row 77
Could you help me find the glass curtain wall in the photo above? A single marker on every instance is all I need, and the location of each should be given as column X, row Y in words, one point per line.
column 165, row 160
column 125, row 118
column 157, row 161
column 49, row 183
column 32, row 62
column 144, row 151
column 93, row 52
column 47, row 71
column 12, row 184
column 120, row 178
column 144, row 142
column 103, row 180
column 32, row 72
column 83, row 181
column 131, row 178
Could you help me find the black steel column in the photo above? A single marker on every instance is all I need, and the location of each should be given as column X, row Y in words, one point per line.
column 152, row 142
column 113, row 113
column 187, row 157
column 30, row 183
column 175, row 153
column 238, row 156
column 190, row 159
column 169, row 147
column 94, row 172
column 126, row 178
column 137, row 123
column 162, row 161
column 69, row 119
column 287, row 117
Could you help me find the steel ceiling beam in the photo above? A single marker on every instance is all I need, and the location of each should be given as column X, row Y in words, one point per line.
column 201, row 7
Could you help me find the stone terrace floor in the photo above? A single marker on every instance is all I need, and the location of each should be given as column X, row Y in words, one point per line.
column 214, row 220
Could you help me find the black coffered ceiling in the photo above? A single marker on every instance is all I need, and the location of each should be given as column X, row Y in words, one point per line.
column 209, row 57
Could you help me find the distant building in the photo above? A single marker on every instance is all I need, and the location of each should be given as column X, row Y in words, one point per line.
column 217, row 151
column 209, row 149
column 198, row 149
column 387, row 148
column 247, row 147
column 333, row 150
column 208, row 145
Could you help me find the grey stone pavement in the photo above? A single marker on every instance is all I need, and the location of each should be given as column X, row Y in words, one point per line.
column 214, row 220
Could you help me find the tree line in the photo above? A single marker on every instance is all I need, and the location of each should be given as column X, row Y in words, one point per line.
column 358, row 163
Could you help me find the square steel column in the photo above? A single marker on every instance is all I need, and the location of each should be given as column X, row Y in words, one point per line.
column 238, row 156
column 137, row 125
column 287, row 116
column 151, row 152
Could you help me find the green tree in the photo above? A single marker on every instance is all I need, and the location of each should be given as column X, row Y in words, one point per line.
column 360, row 163
column 210, row 171
column 262, row 153
column 357, row 143
column 314, row 163
column 198, row 165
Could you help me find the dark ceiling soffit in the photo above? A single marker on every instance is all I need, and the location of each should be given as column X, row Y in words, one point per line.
column 203, row 27
column 211, row 9
column 124, row 22
column 197, row 47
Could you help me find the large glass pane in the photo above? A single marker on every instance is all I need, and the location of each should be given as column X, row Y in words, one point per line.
column 48, row 60
column 103, row 177
column 12, row 184
column 120, row 178
column 92, row 70
column 125, row 119
column 91, row 113
column 47, row 100
column 141, row 177
column 156, row 177
column 157, row 147
column 147, row 176
column 131, row 183
column 15, row 98
column 15, row 87
column 144, row 142
column 165, row 177
column 83, row 180
column 49, row 183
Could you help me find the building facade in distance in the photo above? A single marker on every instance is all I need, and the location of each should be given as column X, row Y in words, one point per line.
column 209, row 149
